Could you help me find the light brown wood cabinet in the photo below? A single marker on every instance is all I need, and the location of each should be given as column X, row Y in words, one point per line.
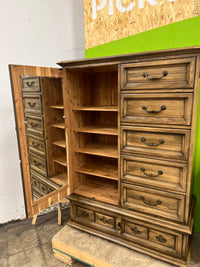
column 117, row 136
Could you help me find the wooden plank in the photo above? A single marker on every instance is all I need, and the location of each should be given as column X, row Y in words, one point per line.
column 59, row 125
column 100, row 150
column 98, row 129
column 61, row 143
column 57, row 107
column 62, row 161
column 60, row 179
column 96, row 108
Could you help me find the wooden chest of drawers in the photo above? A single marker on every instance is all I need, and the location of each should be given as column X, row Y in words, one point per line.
column 129, row 126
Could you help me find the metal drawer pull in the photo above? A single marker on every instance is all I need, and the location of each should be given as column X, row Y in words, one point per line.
column 44, row 188
column 119, row 226
column 34, row 124
column 163, row 107
column 104, row 220
column 158, row 202
column 161, row 239
column 31, row 104
column 36, row 163
column 135, row 231
column 151, row 174
column 143, row 139
column 164, row 74
column 29, row 84
column 84, row 214
column 36, row 145
column 35, row 183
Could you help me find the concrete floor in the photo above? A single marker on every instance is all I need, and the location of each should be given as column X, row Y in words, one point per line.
column 25, row 245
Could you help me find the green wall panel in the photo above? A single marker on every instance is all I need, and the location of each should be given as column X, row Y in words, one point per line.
column 180, row 34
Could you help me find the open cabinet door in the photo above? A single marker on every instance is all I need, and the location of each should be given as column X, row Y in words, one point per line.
column 42, row 128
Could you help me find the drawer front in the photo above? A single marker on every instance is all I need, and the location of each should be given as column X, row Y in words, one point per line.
column 157, row 108
column 38, row 164
column 32, row 104
column 106, row 221
column 133, row 230
column 171, row 74
column 149, row 236
column 84, row 214
column 36, row 145
column 154, row 173
column 164, row 143
column 45, row 188
column 154, row 202
column 34, row 125
column 35, row 183
column 31, row 84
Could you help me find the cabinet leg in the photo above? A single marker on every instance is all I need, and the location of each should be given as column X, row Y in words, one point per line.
column 34, row 219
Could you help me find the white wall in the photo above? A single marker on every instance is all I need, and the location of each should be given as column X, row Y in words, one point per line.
column 32, row 32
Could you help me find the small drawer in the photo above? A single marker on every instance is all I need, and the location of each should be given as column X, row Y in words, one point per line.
column 154, row 202
column 30, row 84
column 36, row 145
column 84, row 214
column 38, row 164
column 32, row 104
column 35, row 183
column 163, row 143
column 45, row 188
column 106, row 221
column 159, row 74
column 161, row 238
column 154, row 173
column 34, row 125
column 157, row 108
column 133, row 230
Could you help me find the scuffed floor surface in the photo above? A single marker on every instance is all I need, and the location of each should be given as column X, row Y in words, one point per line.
column 25, row 245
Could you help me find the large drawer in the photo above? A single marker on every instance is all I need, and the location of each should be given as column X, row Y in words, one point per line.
column 30, row 84
column 34, row 125
column 38, row 163
column 163, row 143
column 154, row 173
column 155, row 202
column 32, row 103
column 158, row 74
column 157, row 108
column 36, row 145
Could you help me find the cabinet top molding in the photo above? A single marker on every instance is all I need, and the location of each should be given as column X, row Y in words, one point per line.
column 117, row 59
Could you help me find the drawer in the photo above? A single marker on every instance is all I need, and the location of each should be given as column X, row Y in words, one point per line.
column 35, row 183
column 159, row 74
column 36, row 145
column 38, row 163
column 84, row 214
column 154, row 173
column 34, row 125
column 163, row 143
column 105, row 220
column 43, row 183
column 162, row 238
column 32, row 104
column 154, row 202
column 30, row 84
column 133, row 230
column 157, row 108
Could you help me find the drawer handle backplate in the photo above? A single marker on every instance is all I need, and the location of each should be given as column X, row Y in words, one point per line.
column 84, row 214
column 161, row 239
column 31, row 104
column 135, row 231
column 151, row 174
column 36, row 163
column 143, row 139
column 33, row 125
column 29, row 84
column 163, row 107
column 158, row 202
column 104, row 220
column 164, row 74
column 36, row 145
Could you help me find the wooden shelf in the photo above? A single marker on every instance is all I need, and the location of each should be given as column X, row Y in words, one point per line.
column 96, row 108
column 98, row 129
column 99, row 149
column 60, row 179
column 100, row 190
column 100, row 169
column 58, row 125
column 61, row 161
column 61, row 143
column 57, row 107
